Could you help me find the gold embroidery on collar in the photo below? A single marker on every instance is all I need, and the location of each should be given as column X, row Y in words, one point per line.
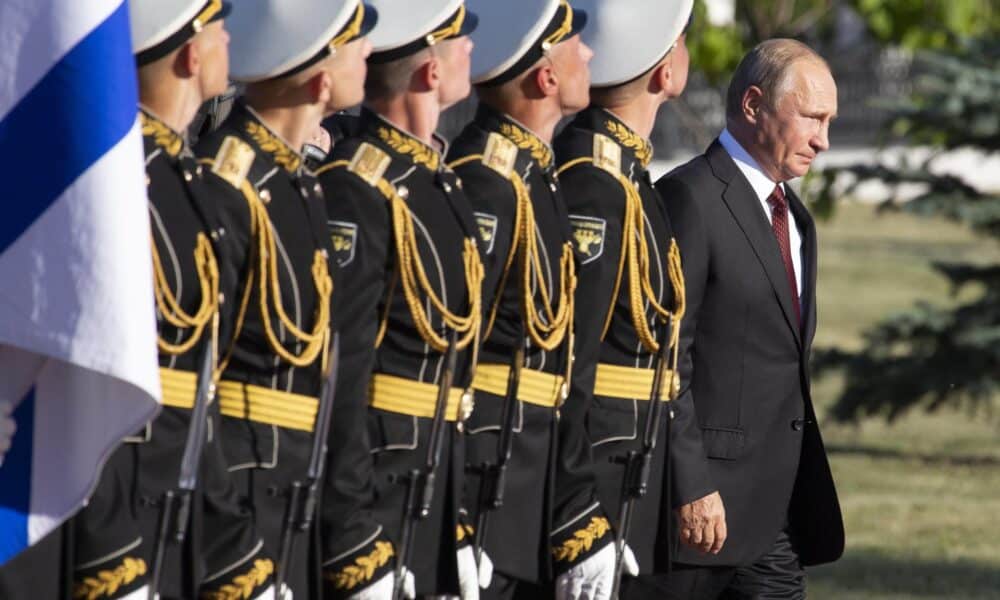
column 419, row 152
column 582, row 540
column 628, row 138
column 164, row 136
column 363, row 568
column 106, row 583
column 268, row 142
column 243, row 586
column 526, row 140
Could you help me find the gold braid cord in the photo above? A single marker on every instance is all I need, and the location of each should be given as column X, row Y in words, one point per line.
column 635, row 259
column 266, row 273
column 549, row 332
column 168, row 305
column 416, row 285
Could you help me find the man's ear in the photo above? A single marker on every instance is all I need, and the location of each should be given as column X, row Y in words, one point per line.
column 428, row 76
column 188, row 61
column 546, row 79
column 752, row 103
column 320, row 87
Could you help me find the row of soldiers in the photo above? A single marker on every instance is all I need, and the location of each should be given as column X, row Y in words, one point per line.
column 412, row 368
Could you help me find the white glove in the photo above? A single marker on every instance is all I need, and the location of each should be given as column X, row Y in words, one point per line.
column 468, row 573
column 382, row 589
column 630, row 566
column 485, row 571
column 7, row 427
column 590, row 579
column 286, row 593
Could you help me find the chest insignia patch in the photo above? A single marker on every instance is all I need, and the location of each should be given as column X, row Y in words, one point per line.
column 588, row 237
column 344, row 238
column 487, row 225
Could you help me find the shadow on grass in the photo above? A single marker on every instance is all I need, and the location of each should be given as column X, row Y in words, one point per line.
column 931, row 459
column 864, row 574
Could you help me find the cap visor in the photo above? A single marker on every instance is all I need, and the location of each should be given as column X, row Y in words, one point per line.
column 470, row 23
column 579, row 21
column 227, row 7
column 369, row 21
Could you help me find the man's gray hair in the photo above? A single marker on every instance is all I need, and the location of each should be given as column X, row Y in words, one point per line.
column 767, row 66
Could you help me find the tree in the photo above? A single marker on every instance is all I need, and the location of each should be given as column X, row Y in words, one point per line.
column 931, row 356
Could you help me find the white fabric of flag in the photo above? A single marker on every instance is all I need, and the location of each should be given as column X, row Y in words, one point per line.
column 77, row 323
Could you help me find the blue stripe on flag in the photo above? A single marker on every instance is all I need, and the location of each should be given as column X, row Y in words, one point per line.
column 15, row 482
column 79, row 110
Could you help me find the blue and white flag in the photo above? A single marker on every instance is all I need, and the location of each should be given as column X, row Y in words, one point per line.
column 77, row 324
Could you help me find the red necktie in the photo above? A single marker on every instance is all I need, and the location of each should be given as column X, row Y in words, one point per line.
column 779, row 224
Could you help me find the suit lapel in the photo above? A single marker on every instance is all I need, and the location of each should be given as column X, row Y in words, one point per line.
column 743, row 204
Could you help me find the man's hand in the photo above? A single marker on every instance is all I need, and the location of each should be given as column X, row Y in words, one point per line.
column 703, row 523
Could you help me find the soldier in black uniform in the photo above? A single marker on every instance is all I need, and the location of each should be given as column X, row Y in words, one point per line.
column 181, row 52
column 630, row 279
column 530, row 68
column 299, row 65
column 406, row 240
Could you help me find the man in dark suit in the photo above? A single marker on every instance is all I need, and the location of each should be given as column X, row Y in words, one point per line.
column 748, row 246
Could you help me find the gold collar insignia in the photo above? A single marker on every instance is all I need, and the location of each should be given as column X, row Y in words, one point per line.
column 407, row 145
column 281, row 152
column 626, row 137
column 165, row 137
column 526, row 140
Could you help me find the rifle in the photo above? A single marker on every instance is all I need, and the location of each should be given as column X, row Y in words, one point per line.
column 638, row 462
column 302, row 497
column 175, row 507
column 494, row 476
column 420, row 481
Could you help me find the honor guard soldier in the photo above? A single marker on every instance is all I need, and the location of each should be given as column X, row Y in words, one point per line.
column 630, row 294
column 154, row 483
column 300, row 61
column 406, row 240
column 530, row 70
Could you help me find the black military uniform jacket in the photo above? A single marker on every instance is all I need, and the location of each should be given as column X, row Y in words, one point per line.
column 502, row 163
column 605, row 181
column 269, row 389
column 373, row 179
column 187, row 229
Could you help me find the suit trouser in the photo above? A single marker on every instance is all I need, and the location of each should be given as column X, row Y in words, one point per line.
column 777, row 575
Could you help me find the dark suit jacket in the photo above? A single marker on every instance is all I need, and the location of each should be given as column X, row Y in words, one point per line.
column 745, row 364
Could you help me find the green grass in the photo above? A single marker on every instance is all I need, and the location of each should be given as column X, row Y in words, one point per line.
column 921, row 497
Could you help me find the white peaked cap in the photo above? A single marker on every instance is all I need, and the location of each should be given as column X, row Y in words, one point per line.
column 629, row 37
column 270, row 38
column 403, row 22
column 156, row 22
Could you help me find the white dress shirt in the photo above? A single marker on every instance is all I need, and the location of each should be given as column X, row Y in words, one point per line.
column 763, row 186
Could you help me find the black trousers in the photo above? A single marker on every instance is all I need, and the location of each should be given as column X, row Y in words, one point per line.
column 777, row 575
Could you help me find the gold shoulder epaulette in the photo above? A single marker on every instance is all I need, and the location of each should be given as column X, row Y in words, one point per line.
column 500, row 154
column 369, row 163
column 607, row 153
column 233, row 160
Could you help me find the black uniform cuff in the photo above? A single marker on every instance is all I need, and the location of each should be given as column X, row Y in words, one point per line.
column 349, row 573
column 581, row 538
column 250, row 578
